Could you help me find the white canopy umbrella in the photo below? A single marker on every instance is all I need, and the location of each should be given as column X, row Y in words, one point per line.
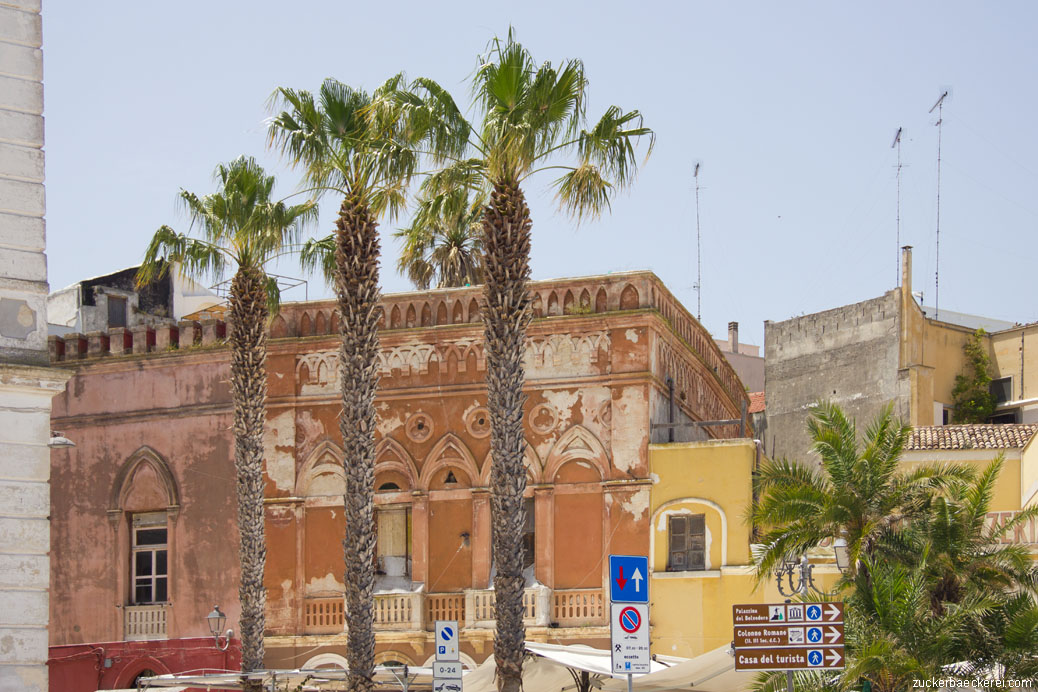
column 549, row 669
column 713, row 671
column 387, row 677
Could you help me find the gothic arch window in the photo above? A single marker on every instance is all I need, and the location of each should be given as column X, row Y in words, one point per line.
column 143, row 508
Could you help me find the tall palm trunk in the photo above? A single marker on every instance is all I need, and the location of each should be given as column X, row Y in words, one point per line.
column 506, row 314
column 356, row 283
column 249, row 390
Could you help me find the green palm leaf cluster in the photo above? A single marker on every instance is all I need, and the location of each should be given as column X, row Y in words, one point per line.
column 244, row 227
column 931, row 590
column 443, row 245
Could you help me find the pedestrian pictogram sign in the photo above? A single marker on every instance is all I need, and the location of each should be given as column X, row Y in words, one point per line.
column 628, row 579
column 788, row 636
column 630, row 638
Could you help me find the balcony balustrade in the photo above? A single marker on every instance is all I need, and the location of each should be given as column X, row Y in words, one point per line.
column 144, row 622
column 473, row 608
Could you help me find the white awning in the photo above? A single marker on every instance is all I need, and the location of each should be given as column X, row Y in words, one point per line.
column 550, row 668
column 713, row 671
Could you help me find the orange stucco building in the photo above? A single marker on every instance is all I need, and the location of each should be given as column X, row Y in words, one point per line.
column 150, row 412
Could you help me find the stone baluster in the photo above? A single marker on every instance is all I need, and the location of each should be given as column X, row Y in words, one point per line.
column 75, row 346
column 167, row 337
column 56, row 348
column 190, row 333
column 213, row 332
column 97, row 344
column 143, row 338
column 120, row 341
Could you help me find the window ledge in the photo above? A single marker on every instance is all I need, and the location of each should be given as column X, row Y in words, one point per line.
column 691, row 574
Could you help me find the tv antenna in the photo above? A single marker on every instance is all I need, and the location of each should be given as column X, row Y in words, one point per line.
column 939, row 107
column 699, row 253
column 897, row 254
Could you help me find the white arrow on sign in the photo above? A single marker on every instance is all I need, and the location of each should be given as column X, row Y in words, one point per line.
column 834, row 657
column 833, row 634
column 833, row 612
column 637, row 579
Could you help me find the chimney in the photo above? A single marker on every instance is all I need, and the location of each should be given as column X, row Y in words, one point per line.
column 733, row 337
column 906, row 271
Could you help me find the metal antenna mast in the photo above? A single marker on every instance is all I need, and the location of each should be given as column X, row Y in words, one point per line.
column 699, row 253
column 939, row 106
column 897, row 247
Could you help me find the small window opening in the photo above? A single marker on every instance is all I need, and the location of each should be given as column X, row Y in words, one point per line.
column 389, row 485
column 450, row 478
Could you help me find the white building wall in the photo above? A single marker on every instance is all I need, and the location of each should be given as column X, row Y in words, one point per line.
column 26, row 383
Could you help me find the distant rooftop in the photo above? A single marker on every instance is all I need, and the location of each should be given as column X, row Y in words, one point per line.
column 988, row 324
column 971, row 436
column 756, row 402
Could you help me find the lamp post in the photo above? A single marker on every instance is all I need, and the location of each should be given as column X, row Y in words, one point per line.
column 789, row 568
column 842, row 555
column 216, row 621
column 803, row 582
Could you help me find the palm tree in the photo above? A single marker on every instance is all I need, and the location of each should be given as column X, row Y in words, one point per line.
column 528, row 118
column 964, row 552
column 444, row 243
column 241, row 226
column 858, row 493
column 342, row 149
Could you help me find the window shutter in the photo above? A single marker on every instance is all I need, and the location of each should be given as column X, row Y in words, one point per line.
column 678, row 538
column 697, row 542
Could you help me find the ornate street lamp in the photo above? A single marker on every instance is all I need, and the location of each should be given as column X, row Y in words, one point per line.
column 216, row 621
column 789, row 569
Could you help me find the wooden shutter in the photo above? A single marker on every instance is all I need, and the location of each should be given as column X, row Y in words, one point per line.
column 677, row 530
column 697, row 541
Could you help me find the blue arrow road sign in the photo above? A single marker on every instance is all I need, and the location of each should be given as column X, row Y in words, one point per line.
column 628, row 579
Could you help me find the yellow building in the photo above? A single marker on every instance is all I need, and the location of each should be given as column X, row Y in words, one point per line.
column 700, row 543
column 979, row 445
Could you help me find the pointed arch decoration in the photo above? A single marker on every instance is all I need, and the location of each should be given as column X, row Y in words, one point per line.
column 450, row 450
column 324, row 460
column 577, row 443
column 145, row 456
column 530, row 460
column 390, row 455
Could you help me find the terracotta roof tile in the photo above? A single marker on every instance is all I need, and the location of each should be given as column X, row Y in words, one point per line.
column 756, row 402
column 971, row 436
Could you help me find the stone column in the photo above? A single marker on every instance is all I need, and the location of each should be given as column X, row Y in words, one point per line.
column 26, row 382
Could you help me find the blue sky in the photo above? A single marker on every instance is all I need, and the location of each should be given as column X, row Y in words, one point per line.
column 790, row 107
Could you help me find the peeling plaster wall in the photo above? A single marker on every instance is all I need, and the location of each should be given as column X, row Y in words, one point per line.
column 591, row 385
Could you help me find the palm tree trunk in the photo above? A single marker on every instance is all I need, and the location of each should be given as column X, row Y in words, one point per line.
column 506, row 314
column 248, row 339
column 356, row 284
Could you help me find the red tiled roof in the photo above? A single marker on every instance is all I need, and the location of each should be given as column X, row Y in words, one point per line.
column 971, row 436
column 756, row 402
